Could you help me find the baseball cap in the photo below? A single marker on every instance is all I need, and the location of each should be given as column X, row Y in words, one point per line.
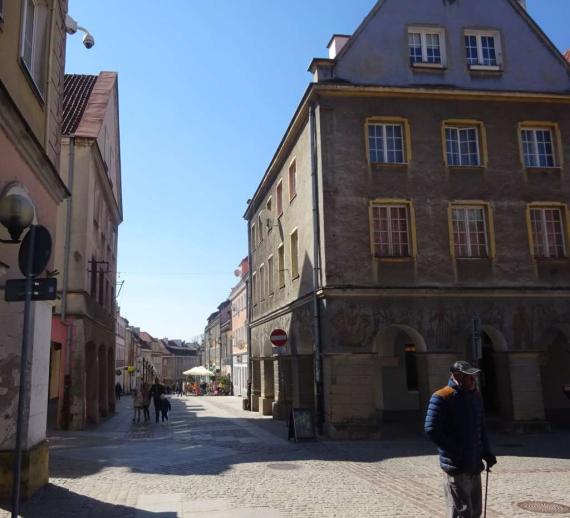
column 464, row 367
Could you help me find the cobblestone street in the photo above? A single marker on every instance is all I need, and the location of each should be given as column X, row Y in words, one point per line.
column 212, row 459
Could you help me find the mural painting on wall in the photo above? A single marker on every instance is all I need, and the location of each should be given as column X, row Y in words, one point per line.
column 353, row 326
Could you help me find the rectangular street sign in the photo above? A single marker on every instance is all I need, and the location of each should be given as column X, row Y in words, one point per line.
column 42, row 289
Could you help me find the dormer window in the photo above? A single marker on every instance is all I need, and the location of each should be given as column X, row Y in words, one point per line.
column 426, row 47
column 483, row 50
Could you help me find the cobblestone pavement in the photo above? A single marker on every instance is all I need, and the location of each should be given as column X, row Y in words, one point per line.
column 212, row 459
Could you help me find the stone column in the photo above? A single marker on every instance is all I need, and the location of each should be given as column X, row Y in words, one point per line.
column 282, row 377
column 526, row 384
column 255, row 384
column 267, row 387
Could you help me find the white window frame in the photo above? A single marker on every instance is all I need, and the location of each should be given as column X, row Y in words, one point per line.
column 260, row 229
column 254, row 287
column 496, row 35
column 458, row 130
column 279, row 198
column 465, row 209
column 37, row 65
column 544, row 231
column 534, row 144
column 294, row 255
column 292, row 173
column 261, row 282
column 253, row 236
column 384, row 150
column 423, row 32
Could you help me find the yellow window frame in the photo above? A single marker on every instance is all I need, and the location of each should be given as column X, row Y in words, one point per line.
column 481, row 135
column 565, row 219
column 411, row 223
column 556, row 141
column 407, row 140
column 486, row 206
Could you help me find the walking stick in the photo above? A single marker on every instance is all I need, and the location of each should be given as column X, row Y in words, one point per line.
column 486, row 490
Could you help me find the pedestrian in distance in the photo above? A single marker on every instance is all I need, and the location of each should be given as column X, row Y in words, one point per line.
column 164, row 407
column 118, row 391
column 137, row 405
column 146, row 401
column 455, row 423
column 156, row 391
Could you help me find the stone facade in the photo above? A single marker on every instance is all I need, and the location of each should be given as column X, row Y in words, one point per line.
column 390, row 324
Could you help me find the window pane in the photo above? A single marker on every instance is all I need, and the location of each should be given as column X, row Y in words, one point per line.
column 433, row 51
column 471, row 50
column 376, row 143
column 538, row 148
column 415, row 45
column 488, row 48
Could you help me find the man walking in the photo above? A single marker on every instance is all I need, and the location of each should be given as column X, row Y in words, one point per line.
column 156, row 391
column 455, row 423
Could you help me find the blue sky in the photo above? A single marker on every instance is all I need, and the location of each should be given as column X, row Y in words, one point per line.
column 207, row 88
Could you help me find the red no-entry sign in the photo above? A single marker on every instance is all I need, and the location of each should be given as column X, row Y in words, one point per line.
column 278, row 337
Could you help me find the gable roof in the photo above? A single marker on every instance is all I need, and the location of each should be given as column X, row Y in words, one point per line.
column 77, row 89
column 514, row 3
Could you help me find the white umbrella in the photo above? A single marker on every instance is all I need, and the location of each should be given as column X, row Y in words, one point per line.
column 198, row 371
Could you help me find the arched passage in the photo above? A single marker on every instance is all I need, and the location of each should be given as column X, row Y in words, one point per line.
column 399, row 379
column 102, row 389
column 111, row 379
column 91, row 383
column 555, row 374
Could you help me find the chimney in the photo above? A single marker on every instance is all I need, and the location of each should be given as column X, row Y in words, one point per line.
column 337, row 42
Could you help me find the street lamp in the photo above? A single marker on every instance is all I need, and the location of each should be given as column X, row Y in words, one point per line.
column 16, row 214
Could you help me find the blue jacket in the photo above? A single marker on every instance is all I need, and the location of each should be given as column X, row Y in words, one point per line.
column 455, row 423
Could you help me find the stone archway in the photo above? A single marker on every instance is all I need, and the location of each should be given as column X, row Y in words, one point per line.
column 555, row 373
column 399, row 384
column 91, row 383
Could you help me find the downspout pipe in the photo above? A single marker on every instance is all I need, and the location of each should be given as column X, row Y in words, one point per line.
column 248, row 296
column 65, row 287
column 317, row 345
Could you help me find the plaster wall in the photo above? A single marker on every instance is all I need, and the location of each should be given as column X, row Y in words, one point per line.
column 379, row 54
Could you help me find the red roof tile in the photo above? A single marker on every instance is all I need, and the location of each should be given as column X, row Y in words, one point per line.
column 76, row 91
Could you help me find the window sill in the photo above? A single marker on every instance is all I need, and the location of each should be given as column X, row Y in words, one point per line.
column 389, row 165
column 485, row 68
column 383, row 259
column 552, row 260
column 552, row 169
column 294, row 278
column 429, row 66
column 473, row 168
column 473, row 259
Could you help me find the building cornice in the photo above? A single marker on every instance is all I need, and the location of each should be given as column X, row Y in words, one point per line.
column 18, row 131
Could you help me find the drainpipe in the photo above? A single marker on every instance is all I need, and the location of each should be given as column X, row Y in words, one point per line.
column 66, row 417
column 317, row 346
column 249, row 314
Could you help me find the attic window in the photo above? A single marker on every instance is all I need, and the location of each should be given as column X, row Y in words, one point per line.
column 483, row 50
column 426, row 47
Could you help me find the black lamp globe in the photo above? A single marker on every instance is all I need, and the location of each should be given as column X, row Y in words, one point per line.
column 16, row 214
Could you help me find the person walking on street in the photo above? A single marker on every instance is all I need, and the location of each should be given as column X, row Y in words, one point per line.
column 455, row 423
column 164, row 407
column 137, row 405
column 146, row 401
column 118, row 391
column 156, row 391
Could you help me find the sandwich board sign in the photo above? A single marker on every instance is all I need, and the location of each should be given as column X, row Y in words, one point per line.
column 302, row 425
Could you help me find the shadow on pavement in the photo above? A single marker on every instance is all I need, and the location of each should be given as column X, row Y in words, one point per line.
column 57, row 502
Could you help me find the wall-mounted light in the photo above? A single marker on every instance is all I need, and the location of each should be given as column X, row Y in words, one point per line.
column 16, row 214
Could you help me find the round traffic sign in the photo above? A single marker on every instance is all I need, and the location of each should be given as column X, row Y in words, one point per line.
column 278, row 337
column 40, row 254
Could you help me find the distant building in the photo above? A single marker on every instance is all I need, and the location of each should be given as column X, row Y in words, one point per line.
column 181, row 359
column 121, row 353
column 238, row 300
column 212, row 343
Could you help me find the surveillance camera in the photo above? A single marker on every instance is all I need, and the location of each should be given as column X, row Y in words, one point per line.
column 88, row 41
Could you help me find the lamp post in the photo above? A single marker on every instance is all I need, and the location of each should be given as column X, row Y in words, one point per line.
column 17, row 214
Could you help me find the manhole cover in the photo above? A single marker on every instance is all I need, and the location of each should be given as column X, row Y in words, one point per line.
column 544, row 507
column 283, row 466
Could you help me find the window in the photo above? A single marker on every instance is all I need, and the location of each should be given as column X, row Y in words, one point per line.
column 547, row 232
column 261, row 282
column 426, row 46
column 1, row 11
column 270, row 276
column 34, row 41
column 294, row 254
column 254, row 288
column 279, row 196
column 391, row 230
column 483, row 50
column 538, row 147
column 411, row 367
column 281, row 265
column 292, row 180
column 253, row 235
column 259, row 229
column 469, row 224
column 462, row 146
column 269, row 220
column 386, row 143
column 268, row 205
